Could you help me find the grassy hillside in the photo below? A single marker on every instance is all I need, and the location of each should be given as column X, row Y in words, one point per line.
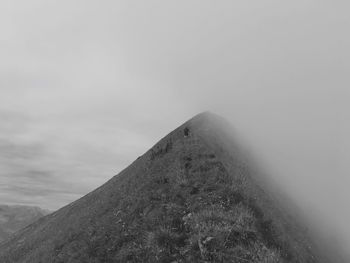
column 191, row 198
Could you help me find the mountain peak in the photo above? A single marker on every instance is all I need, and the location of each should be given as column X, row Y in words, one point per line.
column 204, row 124
column 190, row 198
column 206, row 118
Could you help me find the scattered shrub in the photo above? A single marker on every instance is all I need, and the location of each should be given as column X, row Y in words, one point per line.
column 186, row 132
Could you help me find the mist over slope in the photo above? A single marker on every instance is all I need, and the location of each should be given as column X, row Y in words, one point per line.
column 193, row 197
column 13, row 218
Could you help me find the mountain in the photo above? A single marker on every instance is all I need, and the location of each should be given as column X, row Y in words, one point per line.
column 13, row 218
column 193, row 197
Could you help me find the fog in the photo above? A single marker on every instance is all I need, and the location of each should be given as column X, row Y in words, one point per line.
column 87, row 86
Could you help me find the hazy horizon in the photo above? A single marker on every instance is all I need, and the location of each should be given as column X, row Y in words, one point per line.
column 87, row 87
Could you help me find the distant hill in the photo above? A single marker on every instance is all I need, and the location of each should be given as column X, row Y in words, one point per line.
column 13, row 218
column 193, row 198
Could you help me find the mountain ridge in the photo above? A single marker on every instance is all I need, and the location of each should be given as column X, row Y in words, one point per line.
column 191, row 198
column 15, row 217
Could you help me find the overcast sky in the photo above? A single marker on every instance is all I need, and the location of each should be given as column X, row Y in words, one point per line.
column 88, row 86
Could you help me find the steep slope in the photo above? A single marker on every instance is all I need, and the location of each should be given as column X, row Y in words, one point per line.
column 13, row 218
column 191, row 198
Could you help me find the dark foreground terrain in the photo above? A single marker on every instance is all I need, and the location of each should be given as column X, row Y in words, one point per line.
column 14, row 218
column 191, row 198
